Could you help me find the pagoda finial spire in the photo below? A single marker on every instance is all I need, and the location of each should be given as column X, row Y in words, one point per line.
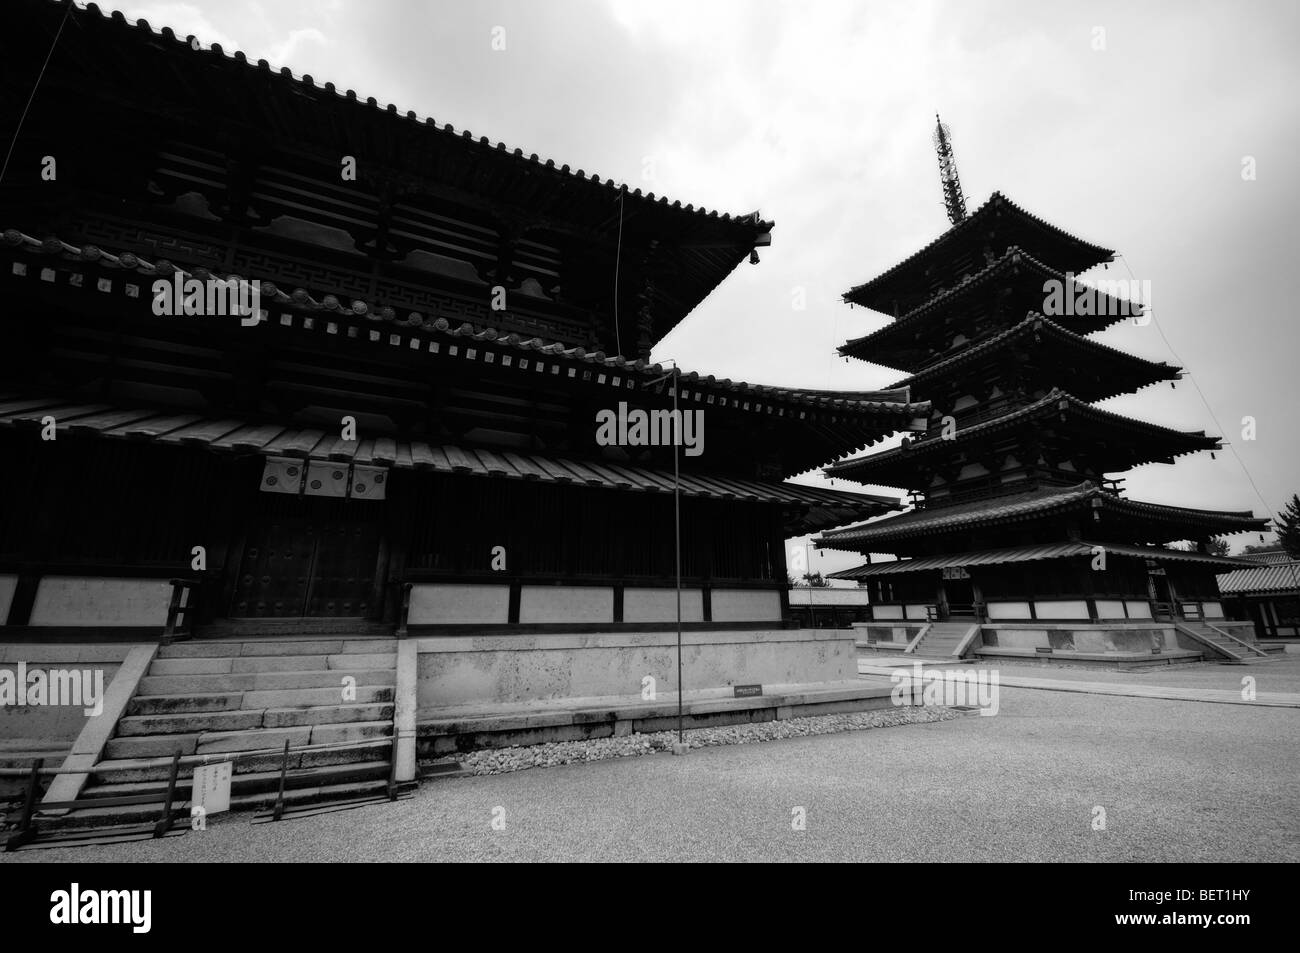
column 953, row 199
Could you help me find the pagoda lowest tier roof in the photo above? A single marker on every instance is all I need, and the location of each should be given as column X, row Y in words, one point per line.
column 1163, row 523
column 883, row 412
column 1147, row 442
column 812, row 508
column 1013, row 283
column 1033, row 553
column 197, row 93
column 995, row 226
column 1108, row 371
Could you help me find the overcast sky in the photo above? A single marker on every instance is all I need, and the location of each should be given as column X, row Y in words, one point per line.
column 1124, row 123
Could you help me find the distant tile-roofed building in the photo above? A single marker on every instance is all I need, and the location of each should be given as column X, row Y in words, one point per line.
column 1268, row 595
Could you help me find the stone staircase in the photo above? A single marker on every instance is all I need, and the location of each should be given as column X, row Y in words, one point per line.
column 220, row 697
column 941, row 639
column 1222, row 644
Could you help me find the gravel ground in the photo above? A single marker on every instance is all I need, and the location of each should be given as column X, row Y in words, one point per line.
column 1179, row 781
column 504, row 760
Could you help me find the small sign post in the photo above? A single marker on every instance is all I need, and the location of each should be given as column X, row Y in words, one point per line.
column 212, row 787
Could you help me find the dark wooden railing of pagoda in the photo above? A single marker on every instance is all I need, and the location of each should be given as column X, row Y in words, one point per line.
column 181, row 610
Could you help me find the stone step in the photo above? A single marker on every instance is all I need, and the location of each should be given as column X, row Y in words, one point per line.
column 251, row 739
column 179, row 704
column 137, row 770
column 309, row 697
column 348, row 661
column 327, row 715
column 264, row 647
column 261, row 681
column 249, row 783
column 234, row 630
column 187, row 722
column 244, row 719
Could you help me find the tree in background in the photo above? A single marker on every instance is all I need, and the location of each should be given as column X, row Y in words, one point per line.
column 1252, row 548
column 1217, row 546
column 1288, row 527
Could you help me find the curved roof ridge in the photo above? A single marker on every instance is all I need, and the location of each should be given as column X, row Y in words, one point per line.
column 1031, row 321
column 994, row 201
column 306, row 81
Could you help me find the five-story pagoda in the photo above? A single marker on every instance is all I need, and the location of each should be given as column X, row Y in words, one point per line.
column 1016, row 514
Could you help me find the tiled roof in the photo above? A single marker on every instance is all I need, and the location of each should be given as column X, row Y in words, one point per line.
column 1013, row 258
column 1029, row 505
column 167, row 40
column 384, row 324
column 973, row 224
column 1054, row 402
column 1035, row 324
column 1275, row 578
column 228, row 434
column 1270, row 556
column 1020, row 554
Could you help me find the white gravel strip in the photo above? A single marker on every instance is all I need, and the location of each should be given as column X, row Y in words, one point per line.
column 548, row 754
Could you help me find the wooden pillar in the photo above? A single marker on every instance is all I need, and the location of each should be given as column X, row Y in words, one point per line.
column 779, row 570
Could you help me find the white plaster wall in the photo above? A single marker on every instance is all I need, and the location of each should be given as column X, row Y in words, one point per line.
column 566, row 604
column 660, row 605
column 887, row 612
column 89, row 600
column 746, row 605
column 916, row 611
column 1062, row 609
column 1008, row 610
column 450, row 604
column 1213, row 610
column 829, row 597
column 1110, row 608
column 1138, row 609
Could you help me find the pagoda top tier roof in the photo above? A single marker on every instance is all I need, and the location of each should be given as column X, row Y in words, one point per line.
column 1152, row 519
column 1114, row 371
column 991, row 229
column 130, row 82
column 1137, row 441
column 1015, row 275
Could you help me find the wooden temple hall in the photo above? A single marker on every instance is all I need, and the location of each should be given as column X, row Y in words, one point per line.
column 401, row 427
column 1018, row 514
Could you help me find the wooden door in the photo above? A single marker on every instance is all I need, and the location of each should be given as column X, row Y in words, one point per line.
column 308, row 557
column 344, row 568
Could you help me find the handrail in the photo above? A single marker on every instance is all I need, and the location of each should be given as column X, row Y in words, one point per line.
column 403, row 611
column 25, row 830
column 196, row 759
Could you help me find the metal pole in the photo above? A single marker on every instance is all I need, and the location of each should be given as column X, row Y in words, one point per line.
column 677, row 521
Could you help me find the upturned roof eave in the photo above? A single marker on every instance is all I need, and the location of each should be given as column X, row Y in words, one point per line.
column 1095, row 253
